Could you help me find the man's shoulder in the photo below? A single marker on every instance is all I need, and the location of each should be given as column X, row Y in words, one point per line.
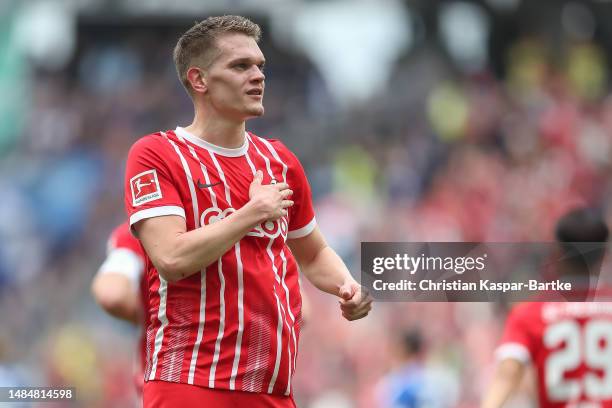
column 276, row 143
column 151, row 139
column 151, row 144
column 527, row 311
column 277, row 146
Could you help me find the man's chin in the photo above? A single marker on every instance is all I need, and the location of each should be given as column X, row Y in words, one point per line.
column 256, row 112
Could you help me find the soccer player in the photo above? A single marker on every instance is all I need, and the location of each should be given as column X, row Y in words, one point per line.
column 226, row 217
column 568, row 343
column 120, row 288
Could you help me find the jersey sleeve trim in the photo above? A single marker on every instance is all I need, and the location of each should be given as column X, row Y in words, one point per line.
column 156, row 212
column 304, row 231
column 514, row 351
column 124, row 262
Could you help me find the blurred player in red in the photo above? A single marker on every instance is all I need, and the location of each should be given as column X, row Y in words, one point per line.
column 568, row 343
column 120, row 287
column 226, row 217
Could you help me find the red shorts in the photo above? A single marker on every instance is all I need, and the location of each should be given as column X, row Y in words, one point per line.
column 162, row 394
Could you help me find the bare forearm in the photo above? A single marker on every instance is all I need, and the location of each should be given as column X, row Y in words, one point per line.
column 324, row 269
column 506, row 381
column 194, row 250
column 327, row 271
column 498, row 394
column 130, row 310
column 115, row 294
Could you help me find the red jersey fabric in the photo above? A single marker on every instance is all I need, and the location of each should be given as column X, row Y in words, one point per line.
column 126, row 256
column 570, row 346
column 235, row 324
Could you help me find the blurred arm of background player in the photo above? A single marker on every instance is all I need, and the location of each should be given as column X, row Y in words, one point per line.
column 506, row 380
column 326, row 271
column 115, row 286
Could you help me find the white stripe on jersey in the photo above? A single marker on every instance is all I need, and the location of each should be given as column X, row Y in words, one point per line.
column 213, row 196
column 282, row 254
column 161, row 316
column 189, row 177
column 279, row 331
column 288, row 390
column 279, row 326
column 259, row 347
column 275, row 269
column 163, row 285
column 196, row 211
column 222, row 177
column 248, row 158
column 240, row 318
column 276, row 156
column 266, row 160
column 239, row 272
column 284, row 259
column 202, row 320
column 304, row 231
column 213, row 367
column 202, row 316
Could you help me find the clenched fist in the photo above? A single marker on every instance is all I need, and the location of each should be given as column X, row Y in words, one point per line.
column 355, row 301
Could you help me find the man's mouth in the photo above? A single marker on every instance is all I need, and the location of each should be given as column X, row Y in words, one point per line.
column 255, row 92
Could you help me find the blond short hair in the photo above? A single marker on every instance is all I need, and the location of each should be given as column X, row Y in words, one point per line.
column 197, row 45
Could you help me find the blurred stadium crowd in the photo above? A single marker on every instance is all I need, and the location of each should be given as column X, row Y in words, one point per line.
column 442, row 153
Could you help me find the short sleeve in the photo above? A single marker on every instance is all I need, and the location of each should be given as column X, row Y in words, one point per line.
column 517, row 342
column 124, row 256
column 149, row 187
column 302, row 216
column 122, row 238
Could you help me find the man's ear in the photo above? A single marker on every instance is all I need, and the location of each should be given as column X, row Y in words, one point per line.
column 196, row 78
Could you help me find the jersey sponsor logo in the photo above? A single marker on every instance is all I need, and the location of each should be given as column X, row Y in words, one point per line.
column 267, row 229
column 214, row 214
column 270, row 229
column 145, row 187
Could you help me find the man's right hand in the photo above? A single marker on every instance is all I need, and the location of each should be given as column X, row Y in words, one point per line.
column 270, row 200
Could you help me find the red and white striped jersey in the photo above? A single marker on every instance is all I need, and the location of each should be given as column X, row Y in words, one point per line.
column 234, row 325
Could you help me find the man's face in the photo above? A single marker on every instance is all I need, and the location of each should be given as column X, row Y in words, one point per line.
column 235, row 79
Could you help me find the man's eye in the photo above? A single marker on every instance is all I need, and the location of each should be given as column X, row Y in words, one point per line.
column 240, row 66
column 262, row 68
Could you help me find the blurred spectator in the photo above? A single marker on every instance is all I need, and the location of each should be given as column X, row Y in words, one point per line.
column 410, row 383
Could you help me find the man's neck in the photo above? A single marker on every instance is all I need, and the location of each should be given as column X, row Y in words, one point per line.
column 218, row 131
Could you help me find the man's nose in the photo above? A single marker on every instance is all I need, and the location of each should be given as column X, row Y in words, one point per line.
column 258, row 75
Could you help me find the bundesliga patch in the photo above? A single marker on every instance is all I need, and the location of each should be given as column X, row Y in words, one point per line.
column 145, row 187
